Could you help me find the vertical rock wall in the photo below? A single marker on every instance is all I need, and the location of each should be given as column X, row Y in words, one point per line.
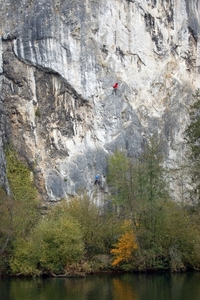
column 58, row 62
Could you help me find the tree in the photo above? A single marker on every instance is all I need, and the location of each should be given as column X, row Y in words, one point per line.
column 55, row 242
column 119, row 166
column 98, row 227
column 19, row 209
column 152, row 182
column 6, row 229
column 138, row 185
column 141, row 186
column 5, row 220
column 123, row 181
column 125, row 247
column 23, row 194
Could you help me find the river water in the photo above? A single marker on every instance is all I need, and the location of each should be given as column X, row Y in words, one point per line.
column 105, row 287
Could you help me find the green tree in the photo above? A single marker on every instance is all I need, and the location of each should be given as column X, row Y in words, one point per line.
column 119, row 177
column 55, row 242
column 23, row 194
column 138, row 184
column 179, row 237
column 6, row 229
column 123, row 181
column 141, row 187
column 98, row 227
column 19, row 209
column 152, row 183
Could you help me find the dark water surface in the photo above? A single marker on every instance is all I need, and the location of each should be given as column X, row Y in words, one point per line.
column 105, row 287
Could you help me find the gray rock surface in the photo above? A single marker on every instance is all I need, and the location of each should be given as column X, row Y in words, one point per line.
column 58, row 62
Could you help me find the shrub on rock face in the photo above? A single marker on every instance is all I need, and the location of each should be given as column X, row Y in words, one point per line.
column 193, row 141
column 24, row 213
column 19, row 211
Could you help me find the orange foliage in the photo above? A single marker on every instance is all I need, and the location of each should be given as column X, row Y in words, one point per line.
column 125, row 247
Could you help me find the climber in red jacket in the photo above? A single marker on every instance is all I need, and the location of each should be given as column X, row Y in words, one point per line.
column 115, row 87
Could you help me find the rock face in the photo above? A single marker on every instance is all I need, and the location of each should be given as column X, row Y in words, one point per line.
column 58, row 62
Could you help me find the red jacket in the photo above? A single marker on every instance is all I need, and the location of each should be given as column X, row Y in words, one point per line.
column 115, row 86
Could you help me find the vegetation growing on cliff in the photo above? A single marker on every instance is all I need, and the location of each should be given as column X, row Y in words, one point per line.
column 19, row 210
column 23, row 194
column 142, row 229
column 193, row 141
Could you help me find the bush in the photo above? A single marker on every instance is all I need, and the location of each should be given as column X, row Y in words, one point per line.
column 98, row 228
column 53, row 244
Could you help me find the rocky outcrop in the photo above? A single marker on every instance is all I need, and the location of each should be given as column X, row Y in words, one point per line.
column 58, row 62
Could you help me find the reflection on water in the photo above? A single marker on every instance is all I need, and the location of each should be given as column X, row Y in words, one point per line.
column 107, row 287
column 122, row 289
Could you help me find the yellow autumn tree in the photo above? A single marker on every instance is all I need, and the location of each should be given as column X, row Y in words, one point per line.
column 126, row 246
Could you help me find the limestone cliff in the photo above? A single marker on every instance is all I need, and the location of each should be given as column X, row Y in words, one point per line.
column 58, row 62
